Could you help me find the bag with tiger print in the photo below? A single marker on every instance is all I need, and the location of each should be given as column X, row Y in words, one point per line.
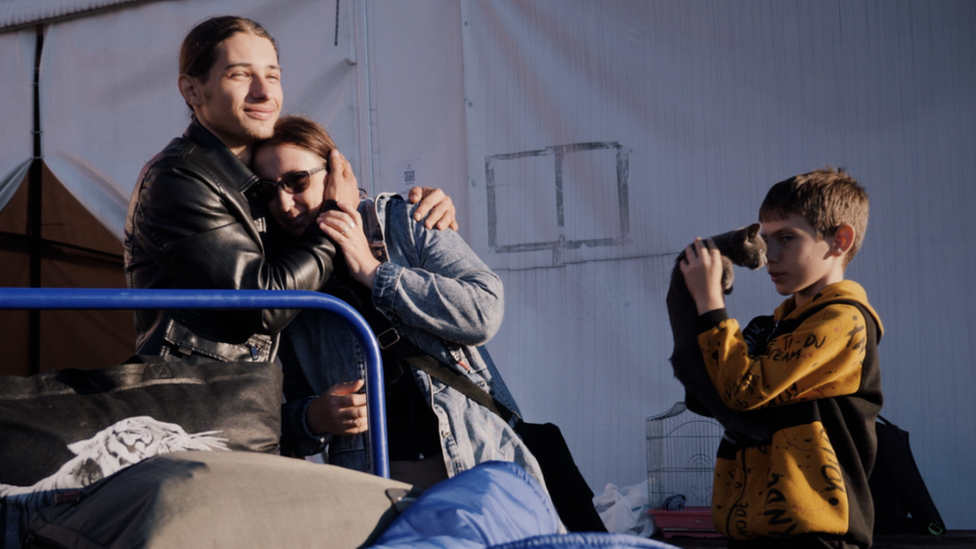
column 65, row 429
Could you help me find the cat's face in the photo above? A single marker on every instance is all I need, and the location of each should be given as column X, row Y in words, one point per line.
column 748, row 248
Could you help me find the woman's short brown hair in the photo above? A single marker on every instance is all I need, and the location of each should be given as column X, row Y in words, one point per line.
column 301, row 132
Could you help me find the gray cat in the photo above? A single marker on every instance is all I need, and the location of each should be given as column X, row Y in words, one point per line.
column 743, row 247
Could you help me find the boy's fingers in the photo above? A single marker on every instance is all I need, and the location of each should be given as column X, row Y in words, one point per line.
column 708, row 246
column 712, row 247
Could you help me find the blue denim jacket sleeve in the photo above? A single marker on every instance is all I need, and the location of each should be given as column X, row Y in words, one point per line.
column 448, row 291
column 438, row 290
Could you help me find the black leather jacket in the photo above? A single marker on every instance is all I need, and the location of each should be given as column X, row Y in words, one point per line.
column 190, row 226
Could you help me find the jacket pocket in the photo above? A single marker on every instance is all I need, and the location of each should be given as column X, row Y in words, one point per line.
column 792, row 486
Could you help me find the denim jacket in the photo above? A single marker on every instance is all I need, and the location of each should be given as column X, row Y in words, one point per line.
column 439, row 295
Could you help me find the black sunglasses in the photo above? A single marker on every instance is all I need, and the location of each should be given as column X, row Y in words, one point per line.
column 291, row 183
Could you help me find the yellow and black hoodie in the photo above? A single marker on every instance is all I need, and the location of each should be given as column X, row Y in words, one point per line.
column 811, row 375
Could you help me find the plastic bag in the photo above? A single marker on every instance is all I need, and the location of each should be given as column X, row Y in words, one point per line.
column 625, row 510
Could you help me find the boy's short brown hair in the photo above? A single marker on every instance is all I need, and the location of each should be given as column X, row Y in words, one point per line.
column 826, row 198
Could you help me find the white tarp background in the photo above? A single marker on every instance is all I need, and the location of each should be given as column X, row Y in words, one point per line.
column 648, row 122
column 714, row 102
column 109, row 100
column 17, row 114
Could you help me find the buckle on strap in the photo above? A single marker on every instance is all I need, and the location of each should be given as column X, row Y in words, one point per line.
column 389, row 335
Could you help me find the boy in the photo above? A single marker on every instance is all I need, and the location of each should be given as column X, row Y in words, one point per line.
column 809, row 373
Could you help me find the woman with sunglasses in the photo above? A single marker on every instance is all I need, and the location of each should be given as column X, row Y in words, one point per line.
column 427, row 285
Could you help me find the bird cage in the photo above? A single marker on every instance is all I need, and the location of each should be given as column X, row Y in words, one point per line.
column 681, row 448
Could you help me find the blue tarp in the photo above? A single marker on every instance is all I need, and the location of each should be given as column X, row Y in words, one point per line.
column 492, row 506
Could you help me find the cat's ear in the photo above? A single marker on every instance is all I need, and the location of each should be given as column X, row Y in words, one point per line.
column 753, row 230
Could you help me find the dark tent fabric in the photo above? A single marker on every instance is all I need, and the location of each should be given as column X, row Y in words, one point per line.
column 74, row 251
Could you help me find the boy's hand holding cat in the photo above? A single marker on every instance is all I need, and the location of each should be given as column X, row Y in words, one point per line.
column 702, row 269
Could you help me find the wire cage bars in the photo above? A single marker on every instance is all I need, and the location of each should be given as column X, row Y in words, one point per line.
column 681, row 447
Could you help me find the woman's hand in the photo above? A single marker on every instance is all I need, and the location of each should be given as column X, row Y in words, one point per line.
column 339, row 411
column 345, row 228
column 702, row 269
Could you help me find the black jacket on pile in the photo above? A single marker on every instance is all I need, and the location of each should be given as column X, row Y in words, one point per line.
column 190, row 226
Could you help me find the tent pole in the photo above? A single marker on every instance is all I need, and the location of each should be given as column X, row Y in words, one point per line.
column 36, row 243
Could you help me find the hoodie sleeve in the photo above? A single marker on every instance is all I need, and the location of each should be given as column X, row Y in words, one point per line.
column 821, row 358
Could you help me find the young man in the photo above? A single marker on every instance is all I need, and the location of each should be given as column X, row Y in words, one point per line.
column 189, row 223
column 809, row 372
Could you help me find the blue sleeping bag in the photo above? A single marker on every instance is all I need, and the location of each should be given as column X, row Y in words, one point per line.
column 494, row 505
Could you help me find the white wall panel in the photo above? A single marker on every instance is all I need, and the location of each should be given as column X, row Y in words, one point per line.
column 716, row 102
column 416, row 93
column 20, row 13
column 711, row 102
column 109, row 97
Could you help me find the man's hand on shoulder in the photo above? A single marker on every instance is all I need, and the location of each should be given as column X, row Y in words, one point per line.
column 435, row 206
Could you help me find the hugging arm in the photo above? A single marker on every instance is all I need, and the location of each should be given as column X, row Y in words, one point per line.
column 192, row 229
column 445, row 289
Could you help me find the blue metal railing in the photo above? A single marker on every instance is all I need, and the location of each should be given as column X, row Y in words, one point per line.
column 91, row 298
